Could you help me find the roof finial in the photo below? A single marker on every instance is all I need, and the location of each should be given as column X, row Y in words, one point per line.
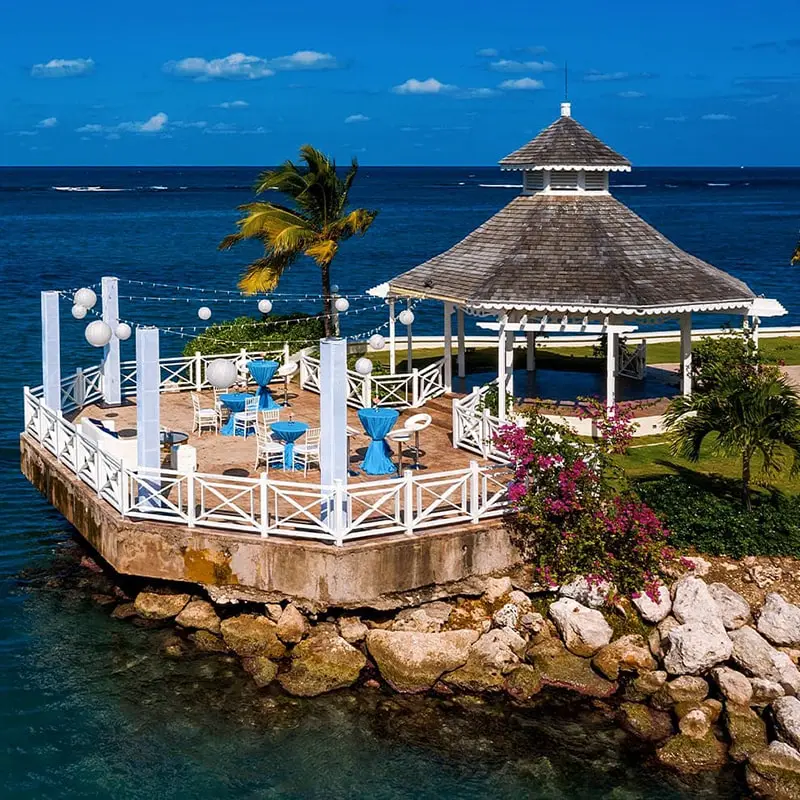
column 566, row 109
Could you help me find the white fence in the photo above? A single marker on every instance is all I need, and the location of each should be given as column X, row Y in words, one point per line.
column 474, row 427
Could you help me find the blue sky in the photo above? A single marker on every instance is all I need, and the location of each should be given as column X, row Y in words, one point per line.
column 437, row 82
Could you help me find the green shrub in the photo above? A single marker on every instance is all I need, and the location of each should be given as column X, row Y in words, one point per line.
column 266, row 333
column 711, row 521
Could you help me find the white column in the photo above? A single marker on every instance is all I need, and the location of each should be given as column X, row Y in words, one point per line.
column 333, row 423
column 686, row 355
column 462, row 354
column 51, row 351
column 611, row 368
column 392, row 339
column 448, row 347
column 501, row 368
column 530, row 351
column 756, row 322
column 510, row 365
column 148, row 404
column 111, row 377
column 410, row 344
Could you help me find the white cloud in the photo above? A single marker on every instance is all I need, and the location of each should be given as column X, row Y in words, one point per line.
column 487, row 52
column 522, row 84
column 429, row 86
column 63, row 68
column 478, row 93
column 236, row 66
column 21, row 133
column 505, row 65
column 233, row 104
column 305, row 59
column 717, row 117
column 226, row 128
column 680, row 118
column 49, row 122
column 199, row 124
column 631, row 93
column 594, row 76
column 91, row 127
column 357, row 118
column 155, row 124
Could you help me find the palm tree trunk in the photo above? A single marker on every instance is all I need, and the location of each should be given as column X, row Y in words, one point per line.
column 746, row 456
column 327, row 300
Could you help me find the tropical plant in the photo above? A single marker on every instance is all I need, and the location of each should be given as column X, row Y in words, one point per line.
column 796, row 254
column 313, row 224
column 744, row 410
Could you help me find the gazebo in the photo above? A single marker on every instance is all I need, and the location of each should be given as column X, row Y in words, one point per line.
column 565, row 256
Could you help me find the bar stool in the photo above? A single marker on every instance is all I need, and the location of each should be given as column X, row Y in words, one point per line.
column 287, row 372
column 414, row 425
column 401, row 436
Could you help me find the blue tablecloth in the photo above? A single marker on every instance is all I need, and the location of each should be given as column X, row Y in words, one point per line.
column 377, row 423
column 235, row 402
column 263, row 372
column 288, row 432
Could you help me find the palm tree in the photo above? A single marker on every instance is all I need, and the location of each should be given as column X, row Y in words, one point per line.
column 796, row 254
column 312, row 225
column 751, row 410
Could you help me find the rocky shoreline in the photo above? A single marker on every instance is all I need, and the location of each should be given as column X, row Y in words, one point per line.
column 698, row 675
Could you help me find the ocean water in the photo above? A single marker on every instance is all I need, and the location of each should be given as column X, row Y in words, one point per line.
column 90, row 706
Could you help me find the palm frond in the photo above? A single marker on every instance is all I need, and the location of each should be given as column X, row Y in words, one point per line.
column 323, row 252
column 264, row 274
column 796, row 255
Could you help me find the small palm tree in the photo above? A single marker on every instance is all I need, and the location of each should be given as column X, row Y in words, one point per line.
column 751, row 410
column 313, row 225
column 796, row 254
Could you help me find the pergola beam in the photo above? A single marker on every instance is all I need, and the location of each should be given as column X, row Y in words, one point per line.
column 559, row 327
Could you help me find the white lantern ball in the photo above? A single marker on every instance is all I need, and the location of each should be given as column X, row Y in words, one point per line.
column 79, row 312
column 221, row 373
column 85, row 297
column 377, row 342
column 204, row 312
column 123, row 331
column 363, row 366
column 342, row 304
column 98, row 334
column 265, row 306
column 406, row 316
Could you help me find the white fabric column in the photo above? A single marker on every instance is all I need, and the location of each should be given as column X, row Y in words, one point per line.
column 686, row 355
column 611, row 368
column 448, row 347
column 392, row 339
column 530, row 351
column 333, row 434
column 111, row 377
column 501, row 368
column 410, row 344
column 51, row 351
column 148, row 404
column 462, row 354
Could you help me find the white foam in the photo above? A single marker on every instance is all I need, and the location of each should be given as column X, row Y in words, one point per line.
column 629, row 186
column 500, row 185
column 717, row 184
column 86, row 189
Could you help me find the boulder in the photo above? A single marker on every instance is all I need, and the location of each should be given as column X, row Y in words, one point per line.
column 207, row 642
column 685, row 689
column 488, row 661
column 774, row 772
column 252, row 635
column 273, row 611
column 262, row 669
column 413, row 662
column 779, row 621
column 429, row 618
column 159, row 606
column 583, row 630
column 200, row 615
column 764, row 575
column 124, row 611
column 520, row 600
column 653, row 610
column 352, row 629
column 292, row 625
column 522, row 683
column 626, row 654
column 695, row 724
column 644, row 722
column 733, row 608
column 746, row 730
column 497, row 588
column 473, row 614
column 689, row 755
column 532, row 623
column 786, row 714
column 507, row 616
column 588, row 593
column 764, row 691
column 658, row 636
column 322, row 663
column 756, row 656
column 559, row 668
column 692, row 602
column 696, row 646
column 735, row 687
column 645, row 685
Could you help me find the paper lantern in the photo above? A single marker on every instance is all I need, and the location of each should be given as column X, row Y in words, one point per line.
column 204, row 312
column 342, row 304
column 123, row 331
column 98, row 334
column 334, row 288
column 85, row 297
column 363, row 366
column 265, row 306
column 79, row 312
column 221, row 373
column 406, row 316
column 377, row 342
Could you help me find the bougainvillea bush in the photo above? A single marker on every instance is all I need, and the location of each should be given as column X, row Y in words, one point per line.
column 570, row 519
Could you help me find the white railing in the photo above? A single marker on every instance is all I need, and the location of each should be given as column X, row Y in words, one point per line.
column 407, row 504
column 474, row 427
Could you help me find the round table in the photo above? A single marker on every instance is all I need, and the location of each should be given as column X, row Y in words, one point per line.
column 234, row 401
column 288, row 432
column 171, row 438
column 377, row 423
column 262, row 372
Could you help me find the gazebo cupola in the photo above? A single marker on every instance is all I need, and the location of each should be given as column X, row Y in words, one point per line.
column 565, row 158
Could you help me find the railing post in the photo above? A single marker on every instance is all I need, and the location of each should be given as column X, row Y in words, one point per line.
column 98, row 468
column 198, row 370
column 408, row 501
column 80, row 387
column 286, row 353
column 474, row 491
column 339, row 499
column 27, row 416
column 486, row 427
column 456, row 422
column 366, row 392
column 415, row 388
column 243, row 366
column 264, row 504
column 191, row 507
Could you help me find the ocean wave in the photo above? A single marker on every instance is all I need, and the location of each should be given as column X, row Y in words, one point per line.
column 628, row 185
column 86, row 189
column 717, row 184
column 158, row 188
column 500, row 185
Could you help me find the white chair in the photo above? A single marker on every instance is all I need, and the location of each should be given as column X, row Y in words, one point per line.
column 415, row 424
column 222, row 409
column 267, row 449
column 207, row 418
column 267, row 417
column 286, row 373
column 307, row 452
column 247, row 419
